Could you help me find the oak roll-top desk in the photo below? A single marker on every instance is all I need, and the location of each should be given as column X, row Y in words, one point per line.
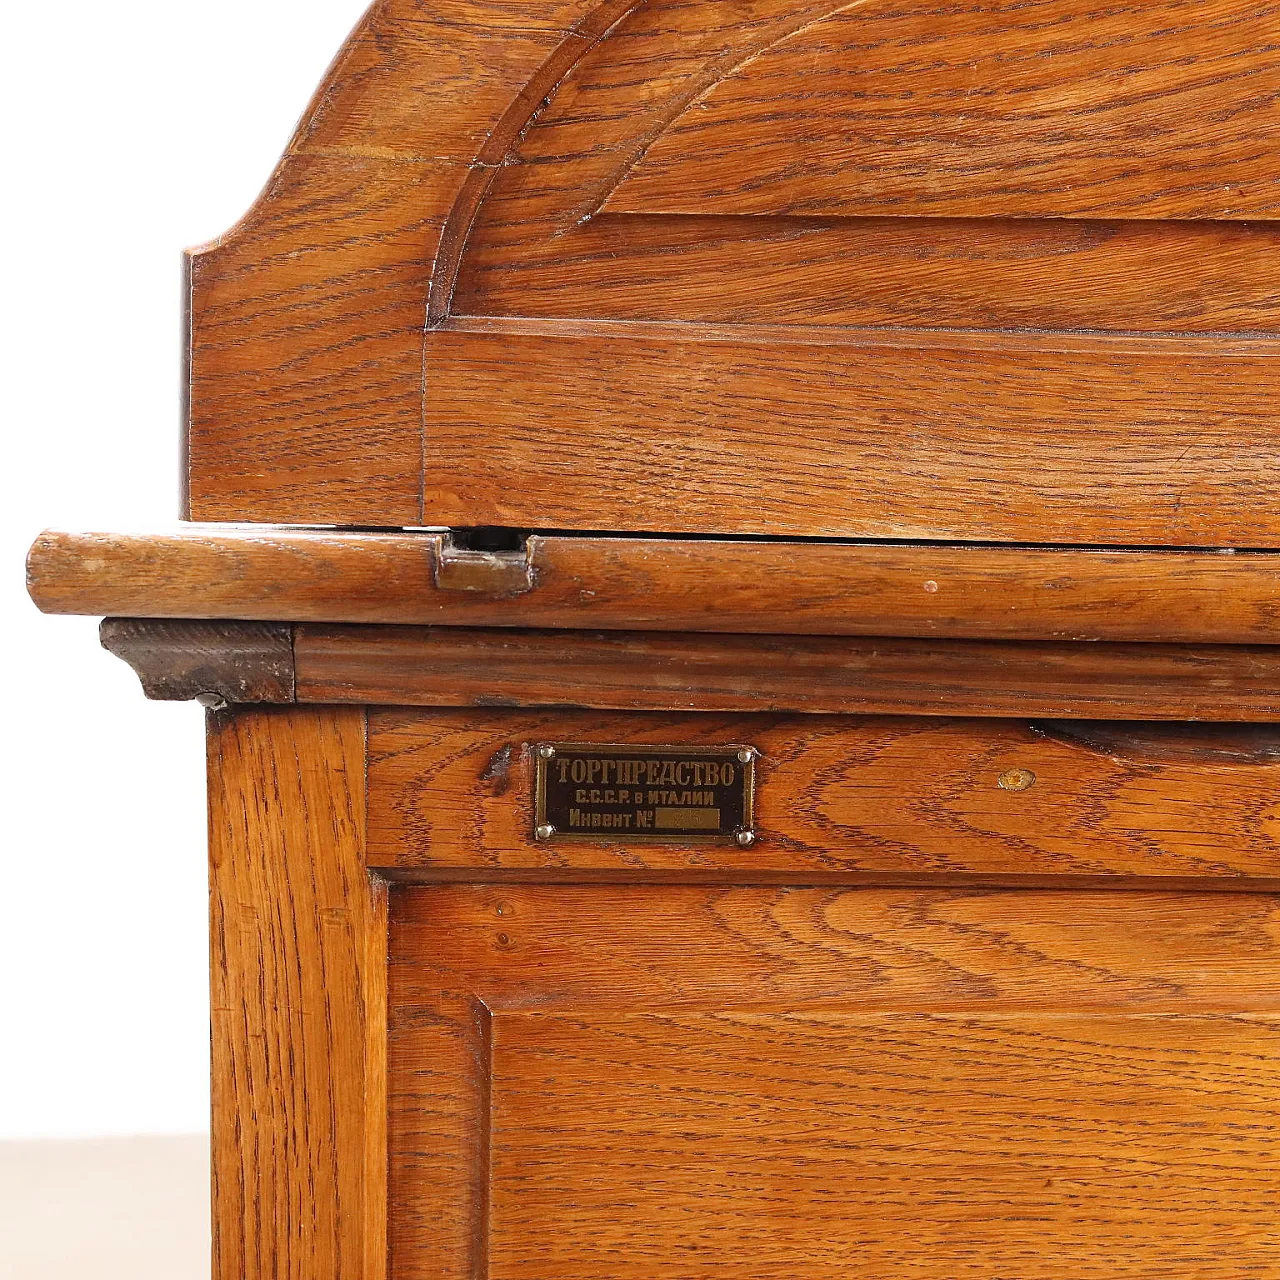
column 733, row 552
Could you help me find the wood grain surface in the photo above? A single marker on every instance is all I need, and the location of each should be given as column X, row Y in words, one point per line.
column 925, row 135
column 1056, row 108
column 740, row 175
column 306, row 347
column 307, row 319
column 797, row 432
column 653, row 671
column 847, row 796
column 834, row 1145
column 968, row 273
column 673, row 671
column 298, row 934
column 270, row 574
column 567, row 948
column 831, row 1083
column 689, row 167
column 948, row 271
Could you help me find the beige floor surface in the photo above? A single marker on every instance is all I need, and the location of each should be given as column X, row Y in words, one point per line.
column 115, row 1209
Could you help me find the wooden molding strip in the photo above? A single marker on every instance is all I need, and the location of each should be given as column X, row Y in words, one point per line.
column 641, row 584
column 646, row 671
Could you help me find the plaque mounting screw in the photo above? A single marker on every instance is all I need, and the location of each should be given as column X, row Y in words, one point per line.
column 1016, row 780
column 545, row 831
column 547, row 752
column 746, row 838
column 747, row 755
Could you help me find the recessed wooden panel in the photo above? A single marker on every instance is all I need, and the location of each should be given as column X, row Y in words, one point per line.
column 801, row 432
column 632, row 1081
column 976, row 273
column 830, row 1145
column 985, row 165
column 853, row 796
column 1054, row 108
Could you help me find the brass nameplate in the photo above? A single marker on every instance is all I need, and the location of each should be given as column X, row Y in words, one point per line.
column 595, row 791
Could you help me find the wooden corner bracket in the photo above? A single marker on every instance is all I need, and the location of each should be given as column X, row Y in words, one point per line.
column 215, row 662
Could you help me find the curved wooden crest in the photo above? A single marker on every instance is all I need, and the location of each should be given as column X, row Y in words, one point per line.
column 975, row 271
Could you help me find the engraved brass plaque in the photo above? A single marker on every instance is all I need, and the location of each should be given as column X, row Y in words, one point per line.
column 606, row 791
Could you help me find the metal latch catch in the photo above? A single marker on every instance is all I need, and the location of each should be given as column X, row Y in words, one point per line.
column 490, row 573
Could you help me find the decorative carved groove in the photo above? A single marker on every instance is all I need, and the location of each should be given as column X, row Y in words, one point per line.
column 216, row 662
column 516, row 120
column 677, row 56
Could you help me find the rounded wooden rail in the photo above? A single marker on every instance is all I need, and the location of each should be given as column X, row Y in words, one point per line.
column 264, row 573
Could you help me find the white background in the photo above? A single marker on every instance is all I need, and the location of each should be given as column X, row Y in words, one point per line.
column 131, row 130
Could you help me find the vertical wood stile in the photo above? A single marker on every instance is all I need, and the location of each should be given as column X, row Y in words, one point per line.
column 299, row 994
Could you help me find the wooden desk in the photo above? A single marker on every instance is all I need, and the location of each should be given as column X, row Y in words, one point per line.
column 732, row 558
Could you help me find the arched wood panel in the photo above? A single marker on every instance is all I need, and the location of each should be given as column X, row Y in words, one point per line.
column 307, row 320
column 1052, row 165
